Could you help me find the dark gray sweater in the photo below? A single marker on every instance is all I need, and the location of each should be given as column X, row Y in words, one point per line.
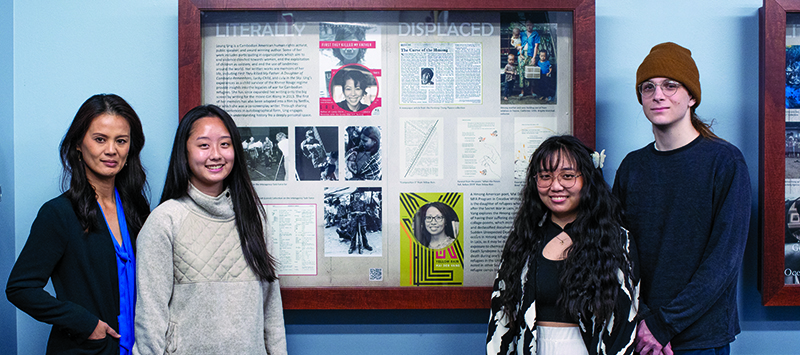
column 688, row 211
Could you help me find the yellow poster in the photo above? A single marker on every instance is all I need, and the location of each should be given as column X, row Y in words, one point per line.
column 432, row 239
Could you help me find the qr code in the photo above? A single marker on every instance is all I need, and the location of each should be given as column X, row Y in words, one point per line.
column 375, row 274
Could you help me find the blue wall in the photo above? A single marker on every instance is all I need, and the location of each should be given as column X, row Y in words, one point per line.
column 8, row 328
column 63, row 52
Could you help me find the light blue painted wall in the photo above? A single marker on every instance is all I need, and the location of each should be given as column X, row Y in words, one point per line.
column 66, row 51
column 8, row 325
column 63, row 52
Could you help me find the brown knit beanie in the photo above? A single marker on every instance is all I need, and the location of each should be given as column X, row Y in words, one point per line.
column 670, row 60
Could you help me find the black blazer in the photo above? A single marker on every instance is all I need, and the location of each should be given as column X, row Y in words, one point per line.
column 83, row 268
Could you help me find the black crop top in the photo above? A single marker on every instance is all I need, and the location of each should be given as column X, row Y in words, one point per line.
column 548, row 287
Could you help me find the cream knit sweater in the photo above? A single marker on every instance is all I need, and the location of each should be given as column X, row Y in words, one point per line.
column 196, row 293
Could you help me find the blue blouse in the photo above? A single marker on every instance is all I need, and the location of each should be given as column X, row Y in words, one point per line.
column 126, row 273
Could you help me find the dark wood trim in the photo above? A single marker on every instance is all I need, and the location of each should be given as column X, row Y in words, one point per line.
column 386, row 298
column 771, row 167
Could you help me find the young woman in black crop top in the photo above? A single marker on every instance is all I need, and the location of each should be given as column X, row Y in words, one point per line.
column 567, row 283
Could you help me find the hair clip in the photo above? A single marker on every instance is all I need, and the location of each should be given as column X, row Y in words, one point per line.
column 598, row 159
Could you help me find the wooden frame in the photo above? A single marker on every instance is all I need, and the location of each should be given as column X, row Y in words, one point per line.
column 583, row 113
column 772, row 126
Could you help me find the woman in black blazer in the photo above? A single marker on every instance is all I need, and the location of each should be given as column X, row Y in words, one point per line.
column 83, row 239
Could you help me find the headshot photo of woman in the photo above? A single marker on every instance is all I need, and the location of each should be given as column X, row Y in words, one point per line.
column 351, row 84
column 83, row 239
column 436, row 225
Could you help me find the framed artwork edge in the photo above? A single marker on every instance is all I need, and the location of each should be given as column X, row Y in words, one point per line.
column 583, row 123
column 772, row 166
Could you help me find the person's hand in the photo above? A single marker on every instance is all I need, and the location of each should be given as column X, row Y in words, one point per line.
column 101, row 330
column 668, row 349
column 646, row 343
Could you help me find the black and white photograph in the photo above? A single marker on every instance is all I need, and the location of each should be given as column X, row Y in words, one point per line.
column 316, row 154
column 363, row 153
column 426, row 76
column 353, row 223
column 265, row 149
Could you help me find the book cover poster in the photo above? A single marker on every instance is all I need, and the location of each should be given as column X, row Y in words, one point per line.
column 432, row 239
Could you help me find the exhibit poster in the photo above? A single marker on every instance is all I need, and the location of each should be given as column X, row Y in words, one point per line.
column 389, row 147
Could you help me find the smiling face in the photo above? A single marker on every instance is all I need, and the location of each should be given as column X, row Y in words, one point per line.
column 210, row 155
column 104, row 148
column 352, row 93
column 434, row 221
column 561, row 201
column 349, row 54
column 664, row 111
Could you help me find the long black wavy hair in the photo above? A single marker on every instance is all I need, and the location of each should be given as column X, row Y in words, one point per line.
column 131, row 181
column 589, row 280
column 246, row 205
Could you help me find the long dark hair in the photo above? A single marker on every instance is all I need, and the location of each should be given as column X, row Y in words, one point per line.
column 131, row 181
column 421, row 233
column 246, row 205
column 589, row 283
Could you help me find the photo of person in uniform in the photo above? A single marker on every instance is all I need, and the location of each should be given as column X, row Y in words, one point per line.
column 353, row 222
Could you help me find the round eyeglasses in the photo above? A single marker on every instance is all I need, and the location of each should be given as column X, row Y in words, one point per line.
column 565, row 179
column 668, row 87
column 437, row 219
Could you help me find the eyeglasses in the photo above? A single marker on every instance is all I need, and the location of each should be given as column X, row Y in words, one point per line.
column 565, row 179
column 430, row 219
column 668, row 87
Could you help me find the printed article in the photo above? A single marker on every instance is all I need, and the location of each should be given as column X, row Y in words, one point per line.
column 440, row 73
column 294, row 237
column 479, row 153
column 528, row 134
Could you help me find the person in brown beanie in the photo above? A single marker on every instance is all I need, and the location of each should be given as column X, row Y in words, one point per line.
column 686, row 199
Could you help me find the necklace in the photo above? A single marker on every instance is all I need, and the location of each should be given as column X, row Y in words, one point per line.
column 560, row 240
